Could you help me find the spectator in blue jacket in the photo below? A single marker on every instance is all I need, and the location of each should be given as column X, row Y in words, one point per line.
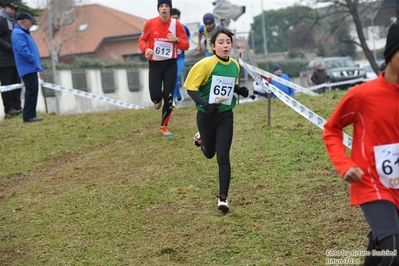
column 287, row 90
column 27, row 59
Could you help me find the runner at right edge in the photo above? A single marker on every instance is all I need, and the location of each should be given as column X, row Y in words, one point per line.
column 372, row 168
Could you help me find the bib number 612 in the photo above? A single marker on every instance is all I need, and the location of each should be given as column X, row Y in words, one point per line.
column 162, row 51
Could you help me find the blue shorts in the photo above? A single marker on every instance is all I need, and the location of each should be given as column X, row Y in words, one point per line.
column 382, row 217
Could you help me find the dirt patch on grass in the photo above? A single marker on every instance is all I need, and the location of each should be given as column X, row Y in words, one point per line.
column 19, row 182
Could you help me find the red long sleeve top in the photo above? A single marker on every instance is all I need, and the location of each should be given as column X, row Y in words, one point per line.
column 373, row 110
column 156, row 31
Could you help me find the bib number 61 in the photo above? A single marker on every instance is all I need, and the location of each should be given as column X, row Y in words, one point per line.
column 387, row 168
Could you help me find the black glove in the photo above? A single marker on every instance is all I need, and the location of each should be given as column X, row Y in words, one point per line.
column 243, row 91
column 211, row 108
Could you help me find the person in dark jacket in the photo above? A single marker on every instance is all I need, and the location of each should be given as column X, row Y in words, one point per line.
column 28, row 64
column 8, row 70
column 320, row 77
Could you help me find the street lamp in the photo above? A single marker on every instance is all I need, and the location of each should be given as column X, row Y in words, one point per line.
column 264, row 31
column 253, row 40
column 373, row 35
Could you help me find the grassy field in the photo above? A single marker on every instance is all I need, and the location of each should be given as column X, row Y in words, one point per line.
column 107, row 189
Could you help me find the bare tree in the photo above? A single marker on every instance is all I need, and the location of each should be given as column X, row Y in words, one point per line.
column 62, row 13
column 351, row 10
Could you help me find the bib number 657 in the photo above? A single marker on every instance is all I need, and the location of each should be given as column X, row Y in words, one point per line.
column 222, row 90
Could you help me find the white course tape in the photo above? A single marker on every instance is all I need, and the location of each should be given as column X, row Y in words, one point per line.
column 281, row 80
column 291, row 102
column 352, row 81
column 308, row 90
column 76, row 92
column 11, row 87
column 91, row 96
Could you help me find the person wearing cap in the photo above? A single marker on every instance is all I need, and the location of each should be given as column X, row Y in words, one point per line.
column 284, row 88
column 8, row 71
column 27, row 59
column 160, row 40
column 371, row 169
column 206, row 30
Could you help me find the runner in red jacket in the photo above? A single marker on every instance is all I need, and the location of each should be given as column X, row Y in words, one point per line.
column 161, row 38
column 373, row 167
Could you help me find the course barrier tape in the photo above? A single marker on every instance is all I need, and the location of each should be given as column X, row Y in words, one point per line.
column 282, row 81
column 11, row 87
column 308, row 90
column 90, row 96
column 291, row 102
column 335, row 84
column 76, row 92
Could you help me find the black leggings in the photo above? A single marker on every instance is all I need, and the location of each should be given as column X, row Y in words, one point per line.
column 383, row 218
column 163, row 72
column 390, row 243
column 216, row 136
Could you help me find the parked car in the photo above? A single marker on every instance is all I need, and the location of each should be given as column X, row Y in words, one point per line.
column 370, row 74
column 338, row 69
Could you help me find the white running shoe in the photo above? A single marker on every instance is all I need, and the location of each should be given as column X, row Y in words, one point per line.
column 223, row 205
column 197, row 139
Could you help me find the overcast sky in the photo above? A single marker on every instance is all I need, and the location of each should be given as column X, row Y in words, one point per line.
column 192, row 10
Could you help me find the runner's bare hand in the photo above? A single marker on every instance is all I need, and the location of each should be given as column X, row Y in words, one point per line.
column 353, row 174
column 149, row 53
column 172, row 38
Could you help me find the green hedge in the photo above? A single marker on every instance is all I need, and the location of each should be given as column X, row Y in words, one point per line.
column 84, row 62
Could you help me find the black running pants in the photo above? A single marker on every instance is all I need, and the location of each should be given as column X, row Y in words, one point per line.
column 216, row 137
column 162, row 81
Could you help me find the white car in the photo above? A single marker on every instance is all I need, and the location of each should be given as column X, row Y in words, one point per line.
column 370, row 74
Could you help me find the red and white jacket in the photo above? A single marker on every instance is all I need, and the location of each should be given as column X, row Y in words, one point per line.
column 373, row 110
column 154, row 36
